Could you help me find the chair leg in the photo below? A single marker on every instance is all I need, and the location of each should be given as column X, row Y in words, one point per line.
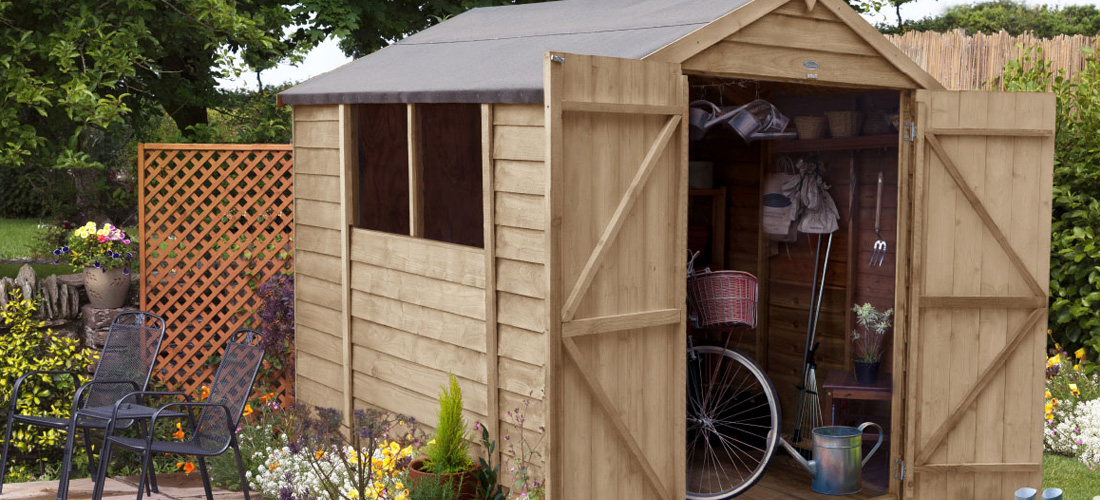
column 240, row 469
column 88, row 449
column 146, row 462
column 4, row 454
column 67, row 460
column 205, row 478
column 101, row 472
column 152, row 470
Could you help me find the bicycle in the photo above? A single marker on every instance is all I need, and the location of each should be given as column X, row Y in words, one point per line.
column 732, row 407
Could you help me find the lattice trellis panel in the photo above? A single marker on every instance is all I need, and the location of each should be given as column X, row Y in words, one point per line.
column 216, row 220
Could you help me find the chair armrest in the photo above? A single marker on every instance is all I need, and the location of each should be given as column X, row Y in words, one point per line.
column 139, row 394
column 19, row 382
column 228, row 417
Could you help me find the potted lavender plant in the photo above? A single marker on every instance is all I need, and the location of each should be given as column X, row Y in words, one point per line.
column 868, row 341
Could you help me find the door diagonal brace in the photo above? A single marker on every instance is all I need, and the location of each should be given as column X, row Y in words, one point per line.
column 633, row 192
column 612, row 414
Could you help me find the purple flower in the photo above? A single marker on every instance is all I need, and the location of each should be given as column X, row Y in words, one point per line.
column 115, row 255
column 57, row 252
column 126, row 270
column 96, row 264
column 1079, row 442
column 56, row 261
column 65, row 249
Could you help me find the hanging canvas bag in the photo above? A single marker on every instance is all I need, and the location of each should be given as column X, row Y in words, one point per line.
column 778, row 208
column 819, row 214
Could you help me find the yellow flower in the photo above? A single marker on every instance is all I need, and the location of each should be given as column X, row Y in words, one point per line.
column 1073, row 389
column 1054, row 401
column 204, row 392
column 1080, row 354
column 273, row 466
column 400, row 496
column 394, row 447
column 1050, row 416
column 399, row 485
column 407, row 451
column 377, row 463
column 1057, row 359
column 1048, row 394
column 247, row 409
column 431, row 442
column 353, row 494
column 1076, row 368
column 318, row 454
column 1049, row 407
column 179, row 432
column 353, row 459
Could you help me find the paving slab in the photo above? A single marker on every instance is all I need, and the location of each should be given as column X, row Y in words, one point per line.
column 176, row 486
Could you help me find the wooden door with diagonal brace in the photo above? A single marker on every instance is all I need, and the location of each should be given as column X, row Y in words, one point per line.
column 618, row 190
column 978, row 296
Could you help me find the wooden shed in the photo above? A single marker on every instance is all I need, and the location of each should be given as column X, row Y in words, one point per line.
column 505, row 196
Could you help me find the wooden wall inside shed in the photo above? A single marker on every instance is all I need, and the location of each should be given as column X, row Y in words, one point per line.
column 780, row 45
column 319, row 243
column 520, row 223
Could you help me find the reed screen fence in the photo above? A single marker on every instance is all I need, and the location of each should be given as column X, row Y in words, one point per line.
column 972, row 62
column 216, row 220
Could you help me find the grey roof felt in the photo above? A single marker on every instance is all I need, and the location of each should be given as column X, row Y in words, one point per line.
column 494, row 54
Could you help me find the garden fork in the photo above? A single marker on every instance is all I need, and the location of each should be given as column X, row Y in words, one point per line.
column 878, row 251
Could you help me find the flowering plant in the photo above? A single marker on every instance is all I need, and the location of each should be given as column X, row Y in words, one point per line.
column 867, row 346
column 523, row 454
column 1072, row 407
column 105, row 248
column 325, row 460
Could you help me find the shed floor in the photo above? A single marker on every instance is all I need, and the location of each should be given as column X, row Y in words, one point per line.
column 786, row 480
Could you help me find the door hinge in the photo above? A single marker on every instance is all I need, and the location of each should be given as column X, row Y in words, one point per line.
column 900, row 474
column 909, row 132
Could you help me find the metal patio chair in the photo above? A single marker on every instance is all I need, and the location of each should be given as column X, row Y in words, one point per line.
column 125, row 365
column 216, row 429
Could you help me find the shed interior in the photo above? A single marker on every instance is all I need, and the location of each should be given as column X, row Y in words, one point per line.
column 724, row 223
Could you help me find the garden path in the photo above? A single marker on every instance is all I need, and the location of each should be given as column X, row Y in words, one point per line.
column 172, row 487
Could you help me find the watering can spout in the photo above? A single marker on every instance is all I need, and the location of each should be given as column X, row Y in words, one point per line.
column 809, row 465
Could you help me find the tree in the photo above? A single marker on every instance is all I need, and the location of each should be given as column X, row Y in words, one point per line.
column 364, row 26
column 1013, row 17
column 76, row 70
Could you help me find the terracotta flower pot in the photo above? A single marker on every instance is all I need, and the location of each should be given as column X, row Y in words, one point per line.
column 106, row 290
column 464, row 482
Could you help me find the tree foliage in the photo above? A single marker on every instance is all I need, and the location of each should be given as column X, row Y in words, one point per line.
column 1075, row 251
column 364, row 26
column 1045, row 21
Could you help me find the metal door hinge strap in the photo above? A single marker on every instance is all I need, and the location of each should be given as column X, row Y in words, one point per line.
column 901, row 469
column 557, row 59
column 909, row 133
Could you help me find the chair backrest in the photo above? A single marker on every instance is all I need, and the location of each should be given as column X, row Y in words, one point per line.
column 232, row 385
column 129, row 354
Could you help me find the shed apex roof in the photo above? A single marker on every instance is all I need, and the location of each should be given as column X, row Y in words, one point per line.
column 494, row 54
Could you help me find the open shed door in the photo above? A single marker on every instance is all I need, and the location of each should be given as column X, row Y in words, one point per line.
column 978, row 297
column 618, row 191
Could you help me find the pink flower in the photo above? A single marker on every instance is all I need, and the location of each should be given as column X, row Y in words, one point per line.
column 101, row 238
column 126, row 241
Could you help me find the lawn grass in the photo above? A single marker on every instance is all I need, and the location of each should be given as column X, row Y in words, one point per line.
column 16, row 236
column 11, row 269
column 1071, row 476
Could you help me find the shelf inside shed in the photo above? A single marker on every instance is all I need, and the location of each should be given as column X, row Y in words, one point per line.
column 837, row 143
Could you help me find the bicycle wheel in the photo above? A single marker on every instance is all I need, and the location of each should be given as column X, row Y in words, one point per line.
column 732, row 423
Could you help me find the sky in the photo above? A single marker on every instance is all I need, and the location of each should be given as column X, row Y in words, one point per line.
column 327, row 56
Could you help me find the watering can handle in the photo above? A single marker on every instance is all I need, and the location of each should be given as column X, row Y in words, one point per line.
column 879, row 443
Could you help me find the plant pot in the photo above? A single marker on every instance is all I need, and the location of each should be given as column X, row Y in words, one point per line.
column 464, row 483
column 867, row 373
column 106, row 290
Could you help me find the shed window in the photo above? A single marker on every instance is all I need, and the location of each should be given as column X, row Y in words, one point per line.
column 420, row 171
column 383, row 196
column 450, row 149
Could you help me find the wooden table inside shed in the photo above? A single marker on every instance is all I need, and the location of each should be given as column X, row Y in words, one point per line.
column 841, row 384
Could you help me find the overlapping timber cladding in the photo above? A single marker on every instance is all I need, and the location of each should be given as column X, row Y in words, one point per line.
column 505, row 197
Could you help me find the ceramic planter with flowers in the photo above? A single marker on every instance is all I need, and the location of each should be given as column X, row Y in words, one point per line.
column 869, row 340
column 106, row 254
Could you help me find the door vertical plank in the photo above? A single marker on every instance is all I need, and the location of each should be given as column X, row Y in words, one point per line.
column 993, row 323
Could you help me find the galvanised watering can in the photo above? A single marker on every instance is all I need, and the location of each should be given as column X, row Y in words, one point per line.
column 836, row 467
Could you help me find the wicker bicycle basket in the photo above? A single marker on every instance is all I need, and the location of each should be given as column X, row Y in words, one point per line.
column 722, row 299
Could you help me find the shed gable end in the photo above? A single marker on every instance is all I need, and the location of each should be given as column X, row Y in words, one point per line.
column 793, row 43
